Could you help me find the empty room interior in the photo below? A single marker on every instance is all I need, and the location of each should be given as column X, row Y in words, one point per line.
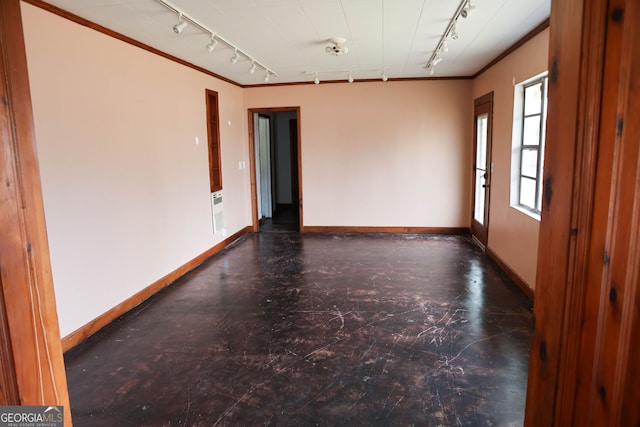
column 337, row 212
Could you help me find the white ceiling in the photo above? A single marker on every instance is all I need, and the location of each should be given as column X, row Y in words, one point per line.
column 289, row 36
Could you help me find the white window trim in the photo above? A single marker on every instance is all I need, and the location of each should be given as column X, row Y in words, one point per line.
column 527, row 212
column 516, row 146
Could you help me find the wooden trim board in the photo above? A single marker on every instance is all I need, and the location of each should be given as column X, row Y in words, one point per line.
column 356, row 229
column 531, row 34
column 84, row 332
column 515, row 277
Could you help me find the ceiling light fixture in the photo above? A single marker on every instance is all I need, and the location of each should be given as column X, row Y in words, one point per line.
column 468, row 10
column 452, row 32
column 184, row 20
column 337, row 76
column 253, row 67
column 337, row 46
column 455, row 35
column 235, row 57
column 181, row 25
column 211, row 46
column 266, row 76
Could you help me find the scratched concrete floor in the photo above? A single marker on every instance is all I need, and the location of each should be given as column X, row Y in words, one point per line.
column 317, row 329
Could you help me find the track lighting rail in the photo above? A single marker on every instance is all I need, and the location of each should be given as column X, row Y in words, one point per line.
column 450, row 31
column 184, row 18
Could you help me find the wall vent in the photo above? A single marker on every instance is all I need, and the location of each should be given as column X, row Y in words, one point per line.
column 217, row 212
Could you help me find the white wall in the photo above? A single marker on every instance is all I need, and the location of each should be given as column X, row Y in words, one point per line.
column 125, row 187
column 513, row 235
column 381, row 153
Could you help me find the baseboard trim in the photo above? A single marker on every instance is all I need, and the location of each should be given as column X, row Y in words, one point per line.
column 515, row 277
column 410, row 230
column 84, row 332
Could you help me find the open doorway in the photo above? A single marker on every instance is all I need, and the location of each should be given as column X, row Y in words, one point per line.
column 275, row 169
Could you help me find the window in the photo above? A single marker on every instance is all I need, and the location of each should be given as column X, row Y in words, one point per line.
column 213, row 129
column 530, row 118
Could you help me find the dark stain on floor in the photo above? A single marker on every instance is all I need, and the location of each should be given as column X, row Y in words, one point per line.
column 297, row 329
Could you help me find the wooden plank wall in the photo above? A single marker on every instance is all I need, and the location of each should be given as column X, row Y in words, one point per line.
column 584, row 355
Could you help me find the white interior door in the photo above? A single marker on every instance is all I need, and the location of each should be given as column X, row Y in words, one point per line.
column 263, row 167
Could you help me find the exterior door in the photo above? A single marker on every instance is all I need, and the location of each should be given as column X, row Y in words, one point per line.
column 483, row 110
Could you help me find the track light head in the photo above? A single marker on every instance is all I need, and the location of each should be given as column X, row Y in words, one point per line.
column 430, row 67
column 444, row 47
column 211, row 46
column 436, row 61
column 468, row 10
column 181, row 25
column 384, row 77
column 184, row 20
column 317, row 79
column 455, row 35
column 350, row 78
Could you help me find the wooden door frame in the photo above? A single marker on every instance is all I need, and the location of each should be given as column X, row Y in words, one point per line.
column 252, row 162
column 481, row 102
column 31, row 329
column 581, row 116
column 573, row 96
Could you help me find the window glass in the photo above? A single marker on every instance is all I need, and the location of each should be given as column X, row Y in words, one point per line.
column 528, row 192
column 481, row 154
column 533, row 99
column 478, row 213
column 529, row 163
column 531, row 131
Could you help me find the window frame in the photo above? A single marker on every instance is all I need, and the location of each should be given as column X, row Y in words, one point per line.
column 521, row 147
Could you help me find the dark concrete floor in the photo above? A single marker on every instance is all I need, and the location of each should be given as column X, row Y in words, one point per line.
column 285, row 218
column 297, row 329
